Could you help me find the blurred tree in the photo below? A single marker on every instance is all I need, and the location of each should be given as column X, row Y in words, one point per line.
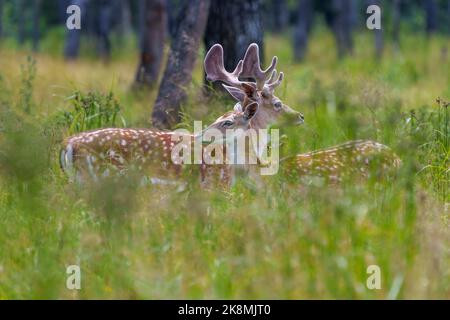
column 91, row 18
column 275, row 14
column 125, row 24
column 431, row 9
column 235, row 24
column 281, row 14
column 21, row 21
column 153, row 25
column 173, row 13
column 342, row 25
column 378, row 33
column 104, row 26
column 62, row 6
column 396, row 16
column 73, row 36
column 36, row 24
column 305, row 16
column 182, row 56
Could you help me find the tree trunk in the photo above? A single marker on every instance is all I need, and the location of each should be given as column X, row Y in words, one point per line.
column 125, row 24
column 173, row 15
column 235, row 24
column 182, row 56
column 90, row 25
column 21, row 21
column 302, row 28
column 379, row 42
column 153, row 24
column 104, row 25
column 62, row 6
column 36, row 25
column 72, row 44
column 280, row 14
column 431, row 15
column 342, row 25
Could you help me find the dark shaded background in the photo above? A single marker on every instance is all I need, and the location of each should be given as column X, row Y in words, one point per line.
column 186, row 25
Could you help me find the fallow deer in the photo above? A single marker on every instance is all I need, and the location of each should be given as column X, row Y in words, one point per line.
column 94, row 154
column 352, row 159
column 97, row 152
column 271, row 109
column 334, row 163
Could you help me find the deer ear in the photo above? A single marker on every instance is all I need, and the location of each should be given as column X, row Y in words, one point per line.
column 236, row 93
column 249, row 89
column 250, row 110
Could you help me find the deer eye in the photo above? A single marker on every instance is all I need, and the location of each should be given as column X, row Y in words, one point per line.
column 264, row 95
column 227, row 123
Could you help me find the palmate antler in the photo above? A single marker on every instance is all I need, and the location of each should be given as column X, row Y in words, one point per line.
column 215, row 69
column 252, row 67
column 249, row 67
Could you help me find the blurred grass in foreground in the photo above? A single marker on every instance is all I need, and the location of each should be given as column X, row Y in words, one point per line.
column 285, row 241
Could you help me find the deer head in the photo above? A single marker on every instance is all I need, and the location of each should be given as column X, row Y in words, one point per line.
column 235, row 121
column 261, row 90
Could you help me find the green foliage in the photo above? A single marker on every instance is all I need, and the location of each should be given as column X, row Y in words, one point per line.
column 431, row 131
column 92, row 110
column 284, row 240
column 26, row 90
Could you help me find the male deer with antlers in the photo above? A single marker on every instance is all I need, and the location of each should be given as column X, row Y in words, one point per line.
column 350, row 159
column 95, row 153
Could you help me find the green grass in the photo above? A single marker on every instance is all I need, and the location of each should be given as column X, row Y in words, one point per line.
column 286, row 240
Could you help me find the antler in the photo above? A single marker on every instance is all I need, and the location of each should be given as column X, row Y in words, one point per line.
column 215, row 69
column 249, row 67
column 273, row 82
column 252, row 67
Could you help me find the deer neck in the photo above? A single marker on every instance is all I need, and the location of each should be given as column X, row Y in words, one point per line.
column 259, row 121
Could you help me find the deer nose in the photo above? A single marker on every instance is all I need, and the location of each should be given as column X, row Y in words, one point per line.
column 301, row 118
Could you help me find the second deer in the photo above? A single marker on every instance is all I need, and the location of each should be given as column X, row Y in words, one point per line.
column 349, row 160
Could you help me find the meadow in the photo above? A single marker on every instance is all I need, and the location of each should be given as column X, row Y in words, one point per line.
column 288, row 240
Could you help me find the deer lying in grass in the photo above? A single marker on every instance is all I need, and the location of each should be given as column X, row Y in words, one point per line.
column 94, row 154
column 358, row 158
column 334, row 163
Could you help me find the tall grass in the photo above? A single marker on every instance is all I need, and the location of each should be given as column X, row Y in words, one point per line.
column 286, row 240
column 92, row 110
